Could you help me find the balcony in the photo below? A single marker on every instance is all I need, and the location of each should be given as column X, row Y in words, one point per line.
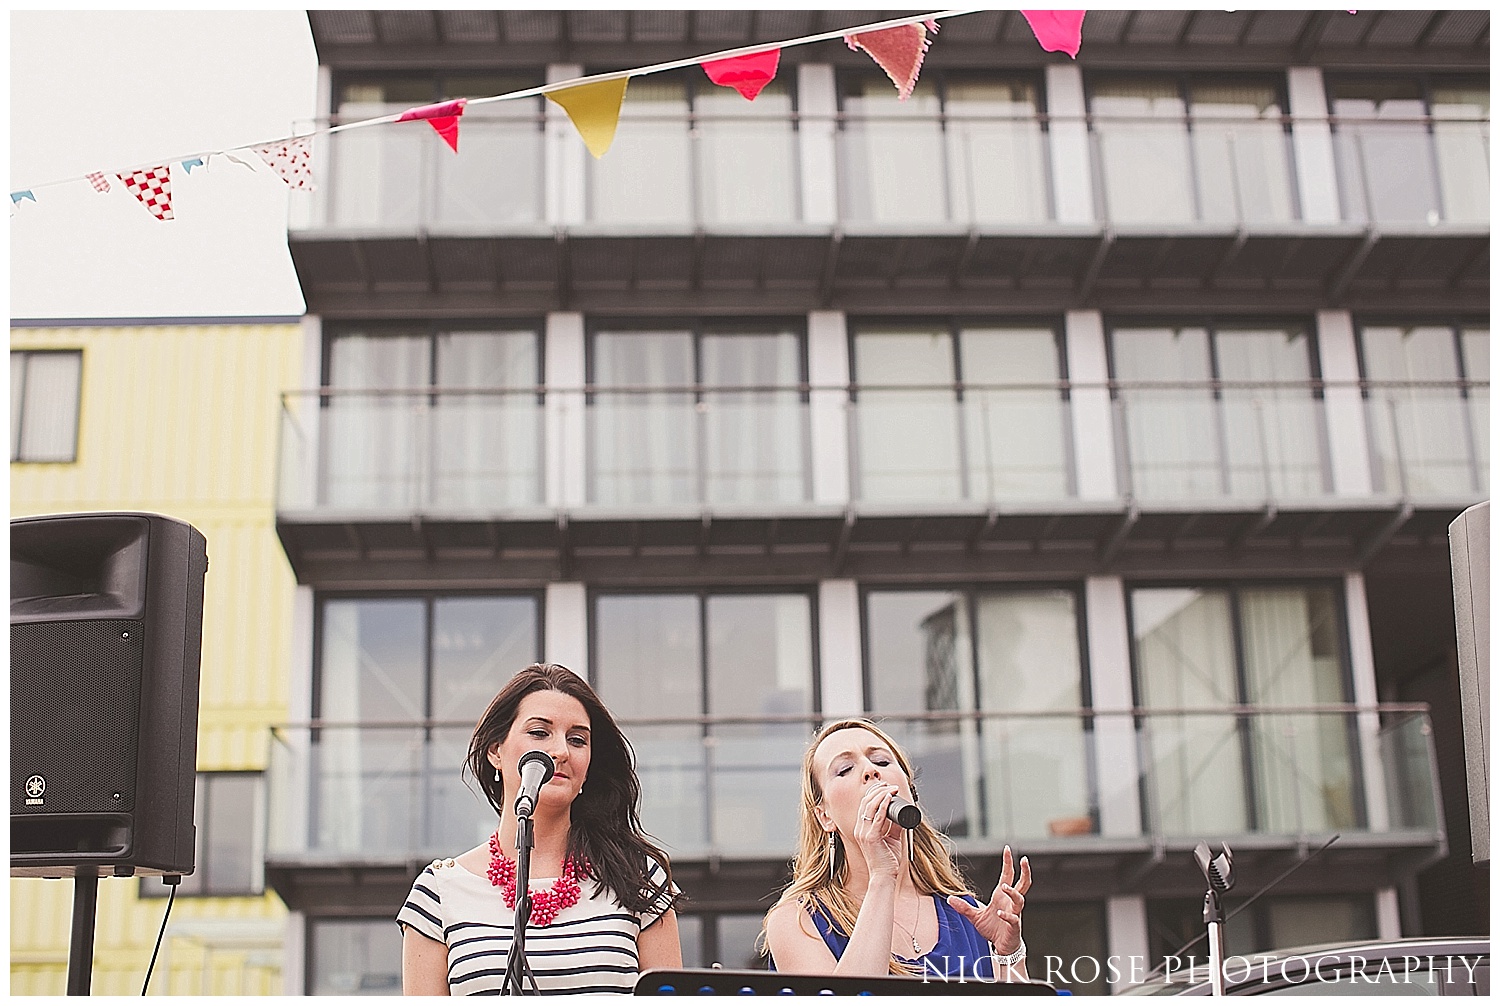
column 742, row 210
column 383, row 797
column 704, row 482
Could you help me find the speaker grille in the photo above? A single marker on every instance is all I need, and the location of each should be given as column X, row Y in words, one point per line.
column 74, row 714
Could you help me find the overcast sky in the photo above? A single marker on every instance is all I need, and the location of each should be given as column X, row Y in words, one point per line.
column 101, row 91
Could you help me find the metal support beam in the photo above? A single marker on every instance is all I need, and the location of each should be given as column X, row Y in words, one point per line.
column 1356, row 260
column 1379, row 539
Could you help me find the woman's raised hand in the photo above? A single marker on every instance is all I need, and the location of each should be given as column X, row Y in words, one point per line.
column 879, row 838
column 1000, row 920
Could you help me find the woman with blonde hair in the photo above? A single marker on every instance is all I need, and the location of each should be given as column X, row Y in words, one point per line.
column 869, row 897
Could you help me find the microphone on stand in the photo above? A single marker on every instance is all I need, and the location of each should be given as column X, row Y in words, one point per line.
column 907, row 815
column 536, row 767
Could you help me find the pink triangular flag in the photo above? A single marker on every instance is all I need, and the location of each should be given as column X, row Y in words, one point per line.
column 746, row 74
column 1057, row 30
column 153, row 187
column 98, row 181
column 898, row 50
column 443, row 117
column 291, row 159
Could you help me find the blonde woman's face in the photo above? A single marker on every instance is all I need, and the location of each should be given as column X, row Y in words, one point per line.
column 847, row 764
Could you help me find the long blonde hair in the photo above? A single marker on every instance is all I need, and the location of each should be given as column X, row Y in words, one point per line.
column 821, row 868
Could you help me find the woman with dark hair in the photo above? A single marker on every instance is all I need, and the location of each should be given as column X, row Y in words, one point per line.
column 601, row 893
column 868, row 897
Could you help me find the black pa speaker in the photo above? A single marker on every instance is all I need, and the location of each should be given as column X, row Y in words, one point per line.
column 106, row 628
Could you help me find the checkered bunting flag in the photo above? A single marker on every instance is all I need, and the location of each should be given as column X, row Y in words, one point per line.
column 291, row 159
column 98, row 181
column 153, row 187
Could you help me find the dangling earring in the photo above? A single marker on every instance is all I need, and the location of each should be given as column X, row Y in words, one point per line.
column 833, row 853
column 497, row 775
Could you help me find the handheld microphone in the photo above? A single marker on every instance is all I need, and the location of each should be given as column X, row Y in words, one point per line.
column 907, row 815
column 536, row 767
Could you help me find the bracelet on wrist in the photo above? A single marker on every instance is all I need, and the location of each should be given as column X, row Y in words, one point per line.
column 1013, row 958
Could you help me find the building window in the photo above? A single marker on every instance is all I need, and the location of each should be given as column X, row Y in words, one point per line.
column 398, row 683
column 1428, row 401
column 721, row 938
column 404, row 176
column 961, row 148
column 45, row 392
column 698, row 413
column 994, row 776
column 960, row 411
column 1412, row 149
column 420, row 418
column 1275, row 921
column 229, row 818
column 1209, row 650
column 669, row 666
column 353, row 957
column 1174, row 150
column 1220, row 411
column 688, row 151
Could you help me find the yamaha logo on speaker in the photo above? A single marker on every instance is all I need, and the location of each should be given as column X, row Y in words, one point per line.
column 35, row 787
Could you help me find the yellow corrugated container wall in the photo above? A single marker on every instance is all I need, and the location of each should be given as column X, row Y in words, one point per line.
column 179, row 420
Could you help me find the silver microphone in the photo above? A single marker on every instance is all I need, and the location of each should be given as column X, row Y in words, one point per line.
column 907, row 815
column 536, row 767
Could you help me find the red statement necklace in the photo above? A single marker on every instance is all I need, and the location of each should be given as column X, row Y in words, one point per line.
column 545, row 905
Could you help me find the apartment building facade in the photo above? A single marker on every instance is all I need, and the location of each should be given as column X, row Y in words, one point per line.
column 1095, row 425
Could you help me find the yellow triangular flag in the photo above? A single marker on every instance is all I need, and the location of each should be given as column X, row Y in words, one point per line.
column 595, row 111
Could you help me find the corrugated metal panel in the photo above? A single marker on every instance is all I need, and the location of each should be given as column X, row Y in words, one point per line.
column 180, row 420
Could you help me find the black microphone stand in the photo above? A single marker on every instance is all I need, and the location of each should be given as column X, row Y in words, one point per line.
column 517, row 970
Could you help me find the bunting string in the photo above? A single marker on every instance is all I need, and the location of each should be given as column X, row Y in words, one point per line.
column 592, row 102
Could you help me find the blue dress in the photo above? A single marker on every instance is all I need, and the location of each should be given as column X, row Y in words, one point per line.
column 960, row 952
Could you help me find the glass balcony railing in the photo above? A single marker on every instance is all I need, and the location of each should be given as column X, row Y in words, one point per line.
column 430, row 451
column 990, row 444
column 729, row 786
column 735, row 165
column 408, row 451
column 1429, row 439
column 1427, row 171
column 1198, row 170
column 1221, row 440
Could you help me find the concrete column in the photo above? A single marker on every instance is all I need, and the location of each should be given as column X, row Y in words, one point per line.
column 1090, row 406
column 566, row 633
column 817, row 139
column 1362, row 670
column 293, row 956
column 1068, row 133
column 1343, row 405
column 1116, row 766
column 1312, row 145
column 828, row 366
column 840, row 656
column 566, row 451
column 564, row 157
column 1125, row 920
column 1387, row 914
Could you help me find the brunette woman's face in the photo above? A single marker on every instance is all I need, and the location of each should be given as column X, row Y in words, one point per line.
column 847, row 764
column 554, row 723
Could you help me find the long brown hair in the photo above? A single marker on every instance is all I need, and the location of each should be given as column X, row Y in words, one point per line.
column 821, row 868
column 606, row 826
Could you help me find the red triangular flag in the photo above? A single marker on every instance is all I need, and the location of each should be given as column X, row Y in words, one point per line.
column 898, row 50
column 1057, row 30
column 153, row 187
column 746, row 74
column 443, row 117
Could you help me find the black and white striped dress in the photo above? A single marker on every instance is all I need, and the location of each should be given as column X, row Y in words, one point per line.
column 589, row 947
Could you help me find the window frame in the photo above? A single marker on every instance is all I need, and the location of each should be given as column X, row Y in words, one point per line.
column 1234, row 587
column 199, row 884
column 429, row 599
column 17, row 455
